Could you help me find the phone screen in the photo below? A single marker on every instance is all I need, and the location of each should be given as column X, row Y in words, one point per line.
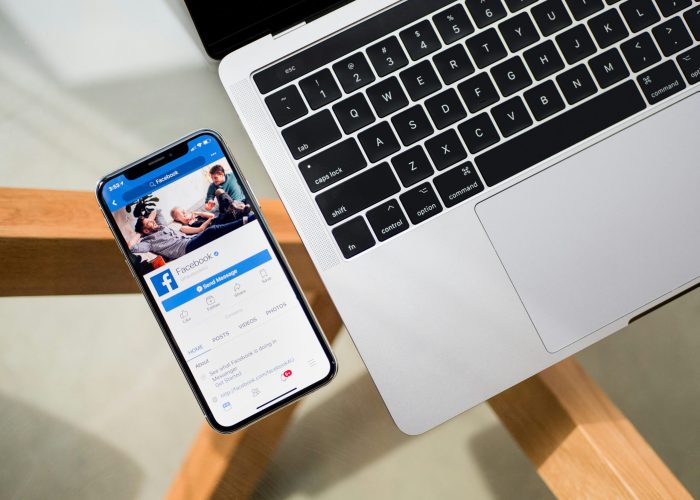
column 195, row 238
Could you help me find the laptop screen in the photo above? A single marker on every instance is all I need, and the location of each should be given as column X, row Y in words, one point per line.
column 225, row 26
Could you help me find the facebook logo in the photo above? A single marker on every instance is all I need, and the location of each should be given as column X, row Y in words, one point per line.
column 164, row 283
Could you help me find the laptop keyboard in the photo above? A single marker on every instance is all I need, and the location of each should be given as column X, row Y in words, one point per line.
column 426, row 104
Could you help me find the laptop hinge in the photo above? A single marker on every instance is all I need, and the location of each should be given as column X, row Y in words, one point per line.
column 288, row 30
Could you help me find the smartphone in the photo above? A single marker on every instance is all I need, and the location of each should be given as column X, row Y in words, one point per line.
column 197, row 244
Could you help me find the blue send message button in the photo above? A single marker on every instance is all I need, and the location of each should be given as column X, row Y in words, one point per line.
column 217, row 280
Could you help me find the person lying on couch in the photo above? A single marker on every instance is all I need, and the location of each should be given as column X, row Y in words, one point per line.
column 192, row 222
column 155, row 237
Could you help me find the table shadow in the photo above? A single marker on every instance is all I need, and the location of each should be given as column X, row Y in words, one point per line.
column 45, row 457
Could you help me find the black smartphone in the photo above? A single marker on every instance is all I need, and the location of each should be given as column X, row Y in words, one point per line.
column 230, row 308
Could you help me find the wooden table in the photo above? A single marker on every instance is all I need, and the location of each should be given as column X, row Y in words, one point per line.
column 576, row 438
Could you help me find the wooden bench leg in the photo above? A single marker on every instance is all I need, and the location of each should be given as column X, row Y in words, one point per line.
column 231, row 466
column 579, row 441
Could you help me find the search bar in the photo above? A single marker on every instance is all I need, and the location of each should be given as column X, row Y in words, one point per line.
column 164, row 179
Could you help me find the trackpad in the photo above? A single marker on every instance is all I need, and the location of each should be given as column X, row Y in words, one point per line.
column 605, row 232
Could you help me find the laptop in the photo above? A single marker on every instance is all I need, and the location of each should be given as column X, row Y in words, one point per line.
column 486, row 187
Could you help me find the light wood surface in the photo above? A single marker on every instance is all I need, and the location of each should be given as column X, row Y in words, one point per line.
column 59, row 244
column 579, row 442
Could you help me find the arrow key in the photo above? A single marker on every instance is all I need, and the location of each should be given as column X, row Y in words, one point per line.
column 387, row 220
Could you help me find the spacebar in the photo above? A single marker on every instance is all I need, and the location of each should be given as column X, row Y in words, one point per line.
column 559, row 133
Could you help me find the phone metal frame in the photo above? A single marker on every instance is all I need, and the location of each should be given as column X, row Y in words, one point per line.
column 122, row 244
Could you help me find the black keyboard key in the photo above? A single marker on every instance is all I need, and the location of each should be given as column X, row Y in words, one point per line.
column 458, row 184
column 559, row 133
column 516, row 5
column 640, row 52
column 453, row 64
column 387, row 220
column 544, row 100
column 387, row 96
column 576, row 44
column 478, row 92
column 445, row 108
column 608, row 68
column 420, row 203
column 357, row 193
column 387, row 56
column 420, row 40
column 519, row 32
column 320, row 89
column 345, row 42
column 412, row 166
column 608, row 28
column 486, row 48
column 311, row 134
column 584, row 8
column 353, row 113
column 672, row 36
column 286, row 105
column 353, row 237
column 692, row 17
column 412, row 125
column 332, row 165
column 660, row 82
column 576, row 84
column 453, row 24
column 690, row 64
column 478, row 132
column 551, row 16
column 543, row 60
column 378, row 142
column 353, row 72
column 511, row 76
column 485, row 12
column 670, row 7
column 420, row 80
column 639, row 14
column 511, row 116
column 445, row 149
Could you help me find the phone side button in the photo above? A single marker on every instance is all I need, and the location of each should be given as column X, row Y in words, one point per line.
column 353, row 237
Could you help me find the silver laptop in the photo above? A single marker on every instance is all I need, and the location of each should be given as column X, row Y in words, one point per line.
column 485, row 187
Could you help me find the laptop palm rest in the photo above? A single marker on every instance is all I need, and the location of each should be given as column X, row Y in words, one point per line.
column 605, row 232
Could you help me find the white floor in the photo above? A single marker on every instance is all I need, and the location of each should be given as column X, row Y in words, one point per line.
column 92, row 403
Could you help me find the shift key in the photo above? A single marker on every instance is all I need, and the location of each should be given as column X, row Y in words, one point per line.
column 360, row 192
column 311, row 134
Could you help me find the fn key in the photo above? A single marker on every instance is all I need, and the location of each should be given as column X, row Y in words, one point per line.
column 353, row 237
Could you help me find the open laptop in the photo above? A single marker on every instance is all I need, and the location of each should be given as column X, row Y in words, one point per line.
column 485, row 187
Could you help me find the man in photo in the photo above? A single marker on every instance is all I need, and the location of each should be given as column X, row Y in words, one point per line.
column 227, row 182
column 153, row 235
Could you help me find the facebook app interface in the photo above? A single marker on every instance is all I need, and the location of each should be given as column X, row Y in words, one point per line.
column 195, row 238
